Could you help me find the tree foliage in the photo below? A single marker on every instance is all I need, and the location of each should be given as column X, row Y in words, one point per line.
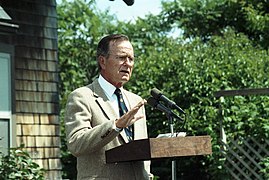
column 222, row 49
column 205, row 18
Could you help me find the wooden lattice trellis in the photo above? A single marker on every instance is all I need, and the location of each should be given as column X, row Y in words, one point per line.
column 243, row 156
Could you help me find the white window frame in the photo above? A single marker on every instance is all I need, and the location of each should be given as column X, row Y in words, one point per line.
column 7, row 114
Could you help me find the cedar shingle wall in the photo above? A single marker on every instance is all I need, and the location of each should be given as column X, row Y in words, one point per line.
column 35, row 80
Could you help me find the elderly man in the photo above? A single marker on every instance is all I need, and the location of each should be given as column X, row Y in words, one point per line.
column 103, row 115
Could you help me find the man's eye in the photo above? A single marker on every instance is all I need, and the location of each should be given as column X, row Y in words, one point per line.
column 122, row 57
column 131, row 59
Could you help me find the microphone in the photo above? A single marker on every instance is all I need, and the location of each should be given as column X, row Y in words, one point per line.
column 157, row 94
column 156, row 105
column 129, row 2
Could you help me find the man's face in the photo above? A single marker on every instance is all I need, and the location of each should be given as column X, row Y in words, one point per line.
column 118, row 66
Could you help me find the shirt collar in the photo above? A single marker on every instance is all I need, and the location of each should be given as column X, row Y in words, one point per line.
column 106, row 86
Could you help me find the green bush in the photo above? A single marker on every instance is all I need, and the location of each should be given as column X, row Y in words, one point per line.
column 19, row 165
column 265, row 164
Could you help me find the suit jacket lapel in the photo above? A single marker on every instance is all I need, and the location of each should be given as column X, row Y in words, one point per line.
column 103, row 101
column 105, row 105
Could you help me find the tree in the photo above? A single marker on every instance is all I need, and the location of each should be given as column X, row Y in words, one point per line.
column 212, row 17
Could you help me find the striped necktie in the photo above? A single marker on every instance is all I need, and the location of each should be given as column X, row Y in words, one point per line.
column 123, row 109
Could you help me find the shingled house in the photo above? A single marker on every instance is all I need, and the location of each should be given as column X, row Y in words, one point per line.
column 29, row 104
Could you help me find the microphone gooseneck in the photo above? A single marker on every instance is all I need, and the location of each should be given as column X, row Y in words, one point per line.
column 156, row 105
column 158, row 95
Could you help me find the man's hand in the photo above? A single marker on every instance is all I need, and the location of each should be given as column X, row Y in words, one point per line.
column 130, row 117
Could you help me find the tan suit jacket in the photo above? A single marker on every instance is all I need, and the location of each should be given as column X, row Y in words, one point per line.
column 90, row 131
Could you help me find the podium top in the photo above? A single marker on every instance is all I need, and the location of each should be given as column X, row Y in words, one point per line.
column 156, row 148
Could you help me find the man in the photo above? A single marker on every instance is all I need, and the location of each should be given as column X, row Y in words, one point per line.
column 93, row 118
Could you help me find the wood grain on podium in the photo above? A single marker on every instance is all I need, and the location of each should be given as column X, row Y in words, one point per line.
column 156, row 148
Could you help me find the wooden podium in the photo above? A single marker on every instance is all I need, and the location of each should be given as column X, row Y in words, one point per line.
column 157, row 148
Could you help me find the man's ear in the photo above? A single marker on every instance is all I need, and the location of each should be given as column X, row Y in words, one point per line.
column 102, row 61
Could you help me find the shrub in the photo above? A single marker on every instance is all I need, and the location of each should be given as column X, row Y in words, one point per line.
column 19, row 165
column 265, row 164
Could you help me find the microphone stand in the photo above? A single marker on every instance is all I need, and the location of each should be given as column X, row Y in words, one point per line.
column 171, row 122
column 171, row 115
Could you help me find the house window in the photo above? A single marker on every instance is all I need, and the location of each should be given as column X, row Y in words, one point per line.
column 5, row 102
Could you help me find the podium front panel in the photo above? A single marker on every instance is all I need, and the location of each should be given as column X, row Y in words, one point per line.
column 156, row 148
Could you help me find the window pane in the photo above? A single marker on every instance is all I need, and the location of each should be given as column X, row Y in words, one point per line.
column 5, row 81
column 4, row 136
